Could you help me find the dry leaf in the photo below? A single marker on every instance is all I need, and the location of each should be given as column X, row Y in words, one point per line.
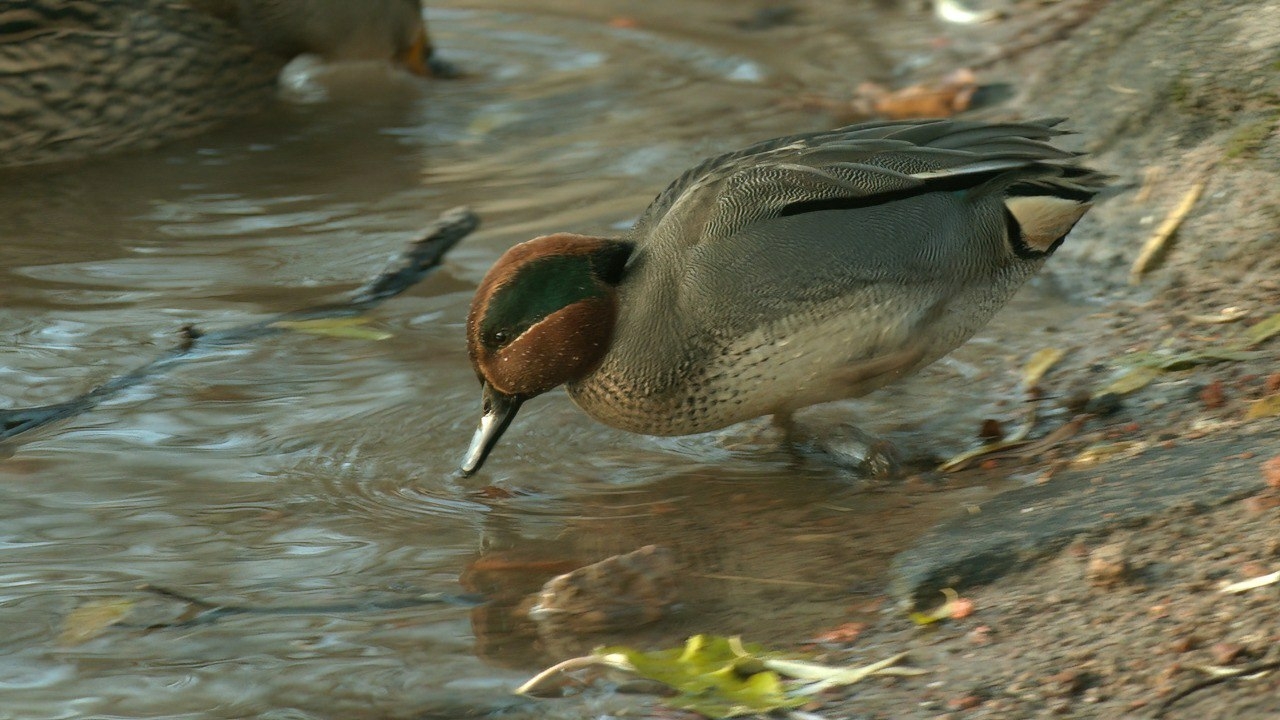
column 1226, row 315
column 943, row 99
column 1154, row 247
column 1251, row 583
column 1039, row 364
column 1263, row 330
column 1266, row 407
column 1109, row 451
column 92, row 619
column 1133, row 380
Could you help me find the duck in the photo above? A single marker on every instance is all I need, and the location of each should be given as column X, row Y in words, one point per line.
column 796, row 271
column 89, row 77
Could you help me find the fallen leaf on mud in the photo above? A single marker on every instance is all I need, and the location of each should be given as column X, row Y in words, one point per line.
column 951, row 95
column 1266, row 407
column 715, row 676
column 92, row 619
column 1131, row 380
column 962, row 461
column 1108, row 451
column 828, row 676
column 1187, row 360
column 1154, row 247
column 1263, row 330
column 1251, row 583
column 720, row 677
column 1016, row 446
column 955, row 607
column 1039, row 364
column 354, row 328
column 1226, row 315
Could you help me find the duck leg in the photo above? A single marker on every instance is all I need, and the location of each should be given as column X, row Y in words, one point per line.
column 842, row 444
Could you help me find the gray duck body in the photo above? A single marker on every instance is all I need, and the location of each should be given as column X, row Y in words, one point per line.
column 821, row 267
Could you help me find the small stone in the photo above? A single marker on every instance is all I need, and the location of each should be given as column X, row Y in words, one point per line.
column 1253, row 569
column 1104, row 404
column 1261, row 503
column 1184, row 644
column 1108, row 565
column 1213, row 396
column 1225, row 653
column 991, row 430
column 1068, row 682
column 1272, row 385
column 965, row 702
column 1271, row 472
column 619, row 592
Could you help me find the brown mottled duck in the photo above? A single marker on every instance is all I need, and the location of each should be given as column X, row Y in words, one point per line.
column 86, row 77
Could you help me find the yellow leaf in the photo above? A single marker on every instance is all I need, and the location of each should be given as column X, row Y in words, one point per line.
column 1133, row 380
column 353, row 328
column 1103, row 452
column 92, row 619
column 1039, row 364
column 1266, row 407
column 942, row 612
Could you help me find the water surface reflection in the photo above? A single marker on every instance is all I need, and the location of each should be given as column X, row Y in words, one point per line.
column 301, row 470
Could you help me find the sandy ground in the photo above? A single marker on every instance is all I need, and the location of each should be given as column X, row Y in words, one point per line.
column 1172, row 97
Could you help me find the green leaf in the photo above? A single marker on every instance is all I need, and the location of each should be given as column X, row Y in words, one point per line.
column 1263, row 330
column 715, row 676
column 1188, row 360
column 354, row 328
column 1132, row 380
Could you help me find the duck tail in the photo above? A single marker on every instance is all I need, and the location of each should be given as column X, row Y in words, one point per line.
column 1043, row 200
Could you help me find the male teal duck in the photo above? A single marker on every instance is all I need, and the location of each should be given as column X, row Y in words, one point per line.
column 93, row 76
column 796, row 271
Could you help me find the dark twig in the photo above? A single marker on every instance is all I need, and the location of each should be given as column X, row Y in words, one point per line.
column 412, row 266
column 204, row 612
column 1244, row 672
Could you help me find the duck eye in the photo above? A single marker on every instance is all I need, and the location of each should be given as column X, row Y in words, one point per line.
column 497, row 338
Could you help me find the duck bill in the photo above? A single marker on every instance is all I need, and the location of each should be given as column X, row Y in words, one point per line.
column 499, row 411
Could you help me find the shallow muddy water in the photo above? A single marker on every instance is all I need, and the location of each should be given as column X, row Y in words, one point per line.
column 300, row 471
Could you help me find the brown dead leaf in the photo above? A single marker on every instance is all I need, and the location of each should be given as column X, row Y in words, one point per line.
column 945, row 98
